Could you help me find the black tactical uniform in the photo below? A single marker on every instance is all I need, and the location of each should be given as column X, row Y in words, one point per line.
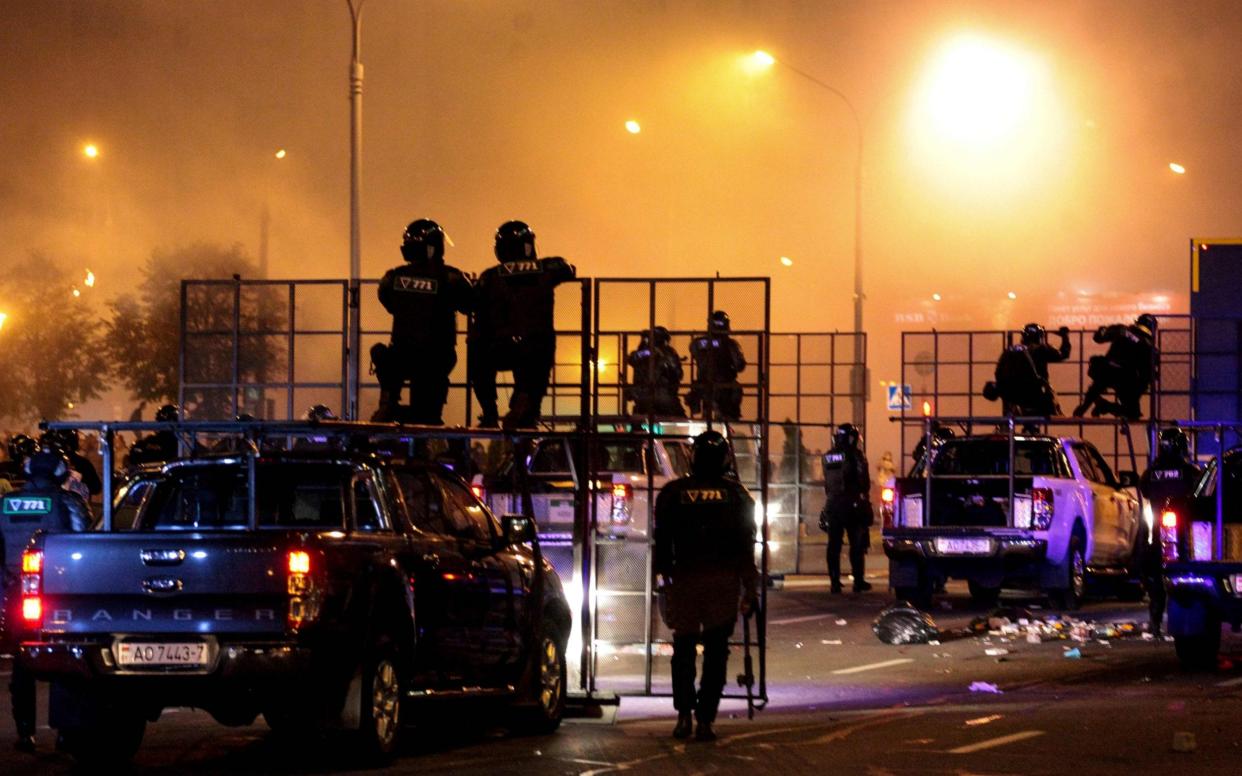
column 705, row 552
column 657, row 374
column 1128, row 368
column 1022, row 374
column 718, row 360
column 13, row 470
column 423, row 296
column 847, row 509
column 513, row 326
column 158, row 447
column 87, row 482
column 1167, row 484
column 42, row 503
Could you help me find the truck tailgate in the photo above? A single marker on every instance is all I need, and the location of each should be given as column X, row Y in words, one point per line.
column 165, row 582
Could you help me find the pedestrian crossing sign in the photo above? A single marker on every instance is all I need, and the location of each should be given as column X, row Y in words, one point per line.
column 899, row 397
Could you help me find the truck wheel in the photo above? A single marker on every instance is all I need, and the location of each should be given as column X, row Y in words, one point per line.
column 107, row 745
column 1198, row 652
column 541, row 711
column 982, row 596
column 1070, row 597
column 380, row 716
column 918, row 595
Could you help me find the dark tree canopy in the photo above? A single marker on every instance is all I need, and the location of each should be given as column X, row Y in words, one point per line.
column 50, row 342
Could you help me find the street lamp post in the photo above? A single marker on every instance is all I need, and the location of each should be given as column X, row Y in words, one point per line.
column 355, row 229
column 858, row 377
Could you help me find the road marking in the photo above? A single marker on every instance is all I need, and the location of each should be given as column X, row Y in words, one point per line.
column 873, row 666
column 807, row 618
column 994, row 742
column 1230, row 682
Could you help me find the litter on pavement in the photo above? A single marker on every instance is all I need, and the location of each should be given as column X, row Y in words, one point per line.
column 987, row 687
column 904, row 624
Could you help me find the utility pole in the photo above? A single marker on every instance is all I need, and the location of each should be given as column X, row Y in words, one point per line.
column 355, row 226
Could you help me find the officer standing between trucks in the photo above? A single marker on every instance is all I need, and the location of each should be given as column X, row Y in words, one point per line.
column 1166, row 485
column 513, row 326
column 847, row 510
column 657, row 373
column 423, row 296
column 1128, row 369
column 42, row 503
column 718, row 360
column 158, row 447
column 705, row 558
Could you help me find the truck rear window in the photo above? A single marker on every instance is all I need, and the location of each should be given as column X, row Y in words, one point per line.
column 288, row 496
column 983, row 457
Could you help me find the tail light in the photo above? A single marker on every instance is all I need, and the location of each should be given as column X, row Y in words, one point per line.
column 622, row 494
column 1169, row 547
column 304, row 594
column 888, row 497
column 478, row 492
column 32, row 587
column 1043, row 508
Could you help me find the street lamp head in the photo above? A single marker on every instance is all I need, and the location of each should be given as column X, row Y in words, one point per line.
column 1177, row 168
column 633, row 127
column 3, row 318
column 280, row 154
column 90, row 151
column 758, row 61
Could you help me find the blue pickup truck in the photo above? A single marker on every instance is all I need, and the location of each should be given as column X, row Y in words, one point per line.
column 319, row 589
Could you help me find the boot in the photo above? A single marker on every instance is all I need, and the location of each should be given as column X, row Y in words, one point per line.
column 836, row 588
column 685, row 725
column 861, row 585
column 704, row 732
column 386, row 412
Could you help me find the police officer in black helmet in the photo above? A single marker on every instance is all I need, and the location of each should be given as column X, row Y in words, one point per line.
column 423, row 296
column 1167, row 485
column 42, row 503
column 158, row 447
column 20, row 447
column 513, row 326
column 847, row 508
column 718, row 360
column 657, row 372
column 705, row 558
column 1128, row 369
column 1021, row 374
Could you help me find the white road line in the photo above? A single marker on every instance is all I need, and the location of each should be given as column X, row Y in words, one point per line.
column 807, row 618
column 1230, row 682
column 873, row 666
column 994, row 742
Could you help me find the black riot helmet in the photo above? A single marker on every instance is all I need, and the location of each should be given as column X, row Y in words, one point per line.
column 423, row 241
column 22, row 447
column 64, row 440
column 719, row 322
column 846, row 437
column 711, row 455
column 246, row 417
column 515, row 242
column 662, row 337
column 169, row 413
column 320, row 412
column 1146, row 321
column 1033, row 334
column 1174, row 442
column 47, row 467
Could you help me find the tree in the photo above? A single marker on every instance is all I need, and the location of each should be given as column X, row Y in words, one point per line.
column 50, row 343
column 144, row 335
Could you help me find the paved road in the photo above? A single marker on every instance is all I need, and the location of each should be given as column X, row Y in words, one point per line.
column 857, row 706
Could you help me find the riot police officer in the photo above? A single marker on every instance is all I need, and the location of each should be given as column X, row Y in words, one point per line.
column 705, row 557
column 1167, row 484
column 20, row 448
column 1127, row 368
column 158, row 447
column 718, row 360
column 513, row 326
column 1022, row 374
column 657, row 374
column 423, row 296
column 847, row 508
column 84, row 477
column 42, row 503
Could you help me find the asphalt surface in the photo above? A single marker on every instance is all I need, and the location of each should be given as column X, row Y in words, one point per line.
column 841, row 702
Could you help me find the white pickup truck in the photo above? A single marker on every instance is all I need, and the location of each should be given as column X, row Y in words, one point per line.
column 1061, row 518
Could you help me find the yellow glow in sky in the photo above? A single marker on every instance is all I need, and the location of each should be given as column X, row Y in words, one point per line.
column 90, row 279
column 280, row 154
column 1177, row 168
column 979, row 90
column 788, row 262
column 633, row 127
column 90, row 151
column 3, row 317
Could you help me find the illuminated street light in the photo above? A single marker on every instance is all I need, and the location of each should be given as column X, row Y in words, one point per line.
column 633, row 127
column 758, row 61
column 1177, row 168
column 90, row 151
column 788, row 262
column 89, row 282
column 980, row 91
column 3, row 317
column 280, row 154
column 936, row 297
column 76, row 293
column 1012, row 295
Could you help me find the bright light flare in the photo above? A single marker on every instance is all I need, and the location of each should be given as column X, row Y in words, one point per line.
column 3, row 317
column 788, row 262
column 980, row 91
column 757, row 62
column 89, row 281
column 936, row 297
column 1012, row 295
column 280, row 154
column 90, row 151
column 633, row 127
column 1177, row 168
column 76, row 293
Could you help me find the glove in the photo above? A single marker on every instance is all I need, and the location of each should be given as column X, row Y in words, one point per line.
column 1063, row 332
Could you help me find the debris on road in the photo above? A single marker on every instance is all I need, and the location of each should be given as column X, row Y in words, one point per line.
column 987, row 687
column 904, row 624
column 1073, row 654
column 995, row 652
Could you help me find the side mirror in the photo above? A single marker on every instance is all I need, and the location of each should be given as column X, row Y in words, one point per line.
column 519, row 529
column 1127, row 479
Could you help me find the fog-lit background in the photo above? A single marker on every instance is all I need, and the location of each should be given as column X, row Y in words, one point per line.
column 477, row 112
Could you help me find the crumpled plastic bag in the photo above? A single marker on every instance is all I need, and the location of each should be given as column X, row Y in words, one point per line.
column 903, row 623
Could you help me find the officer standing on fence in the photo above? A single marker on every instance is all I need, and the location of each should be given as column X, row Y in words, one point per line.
column 705, row 558
column 42, row 503
column 423, row 296
column 718, row 360
column 513, row 326
column 1128, row 369
column 1166, row 485
column 847, row 509
column 657, row 372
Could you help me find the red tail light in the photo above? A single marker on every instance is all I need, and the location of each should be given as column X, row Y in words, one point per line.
column 1168, row 519
column 299, row 562
column 1170, row 548
column 32, row 587
column 1043, row 508
column 888, row 498
column 303, row 592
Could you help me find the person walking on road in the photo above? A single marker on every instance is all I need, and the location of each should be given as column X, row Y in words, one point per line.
column 705, row 558
column 847, row 508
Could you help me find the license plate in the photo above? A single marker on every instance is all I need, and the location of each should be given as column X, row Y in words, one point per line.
column 953, row 546
column 134, row 654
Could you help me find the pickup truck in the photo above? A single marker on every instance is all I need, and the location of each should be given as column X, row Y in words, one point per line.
column 321, row 589
column 1205, row 586
column 1066, row 518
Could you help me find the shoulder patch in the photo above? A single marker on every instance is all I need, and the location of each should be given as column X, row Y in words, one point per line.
column 524, row 267
column 705, row 496
column 27, row 505
column 1167, row 474
column 834, row 458
column 416, row 285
